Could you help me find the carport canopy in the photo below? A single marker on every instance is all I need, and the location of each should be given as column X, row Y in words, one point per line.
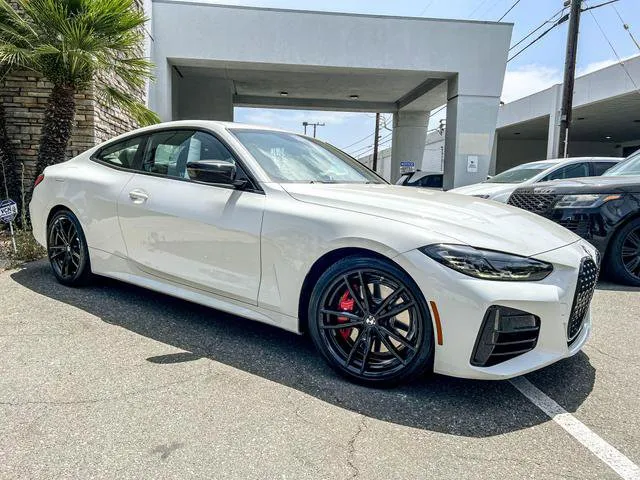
column 228, row 56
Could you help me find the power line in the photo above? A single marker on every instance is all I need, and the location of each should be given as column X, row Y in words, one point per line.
column 507, row 12
column 424, row 10
column 538, row 38
column 535, row 30
column 626, row 26
column 358, row 141
column 615, row 52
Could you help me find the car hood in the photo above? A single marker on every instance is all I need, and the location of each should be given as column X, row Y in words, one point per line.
column 621, row 184
column 491, row 189
column 469, row 220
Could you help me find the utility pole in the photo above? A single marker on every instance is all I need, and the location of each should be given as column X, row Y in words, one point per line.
column 376, row 140
column 314, row 125
column 569, row 75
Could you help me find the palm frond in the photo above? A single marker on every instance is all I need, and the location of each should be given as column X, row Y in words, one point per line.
column 127, row 102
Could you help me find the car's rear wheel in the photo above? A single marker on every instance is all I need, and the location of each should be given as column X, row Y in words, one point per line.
column 67, row 249
column 370, row 322
column 624, row 254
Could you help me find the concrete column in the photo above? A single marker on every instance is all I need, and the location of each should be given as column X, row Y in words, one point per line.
column 203, row 98
column 554, row 122
column 471, row 127
column 160, row 91
column 408, row 141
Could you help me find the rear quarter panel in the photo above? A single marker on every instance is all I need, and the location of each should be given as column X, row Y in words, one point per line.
column 90, row 191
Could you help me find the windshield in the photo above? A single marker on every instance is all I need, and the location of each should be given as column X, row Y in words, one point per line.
column 631, row 166
column 521, row 173
column 291, row 158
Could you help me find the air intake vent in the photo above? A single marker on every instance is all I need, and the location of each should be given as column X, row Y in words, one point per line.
column 587, row 279
column 505, row 334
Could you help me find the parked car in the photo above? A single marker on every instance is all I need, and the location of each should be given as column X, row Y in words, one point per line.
column 277, row 227
column 603, row 210
column 421, row 179
column 500, row 186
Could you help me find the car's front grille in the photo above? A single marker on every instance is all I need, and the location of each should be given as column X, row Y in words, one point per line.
column 579, row 224
column 539, row 203
column 587, row 279
column 505, row 334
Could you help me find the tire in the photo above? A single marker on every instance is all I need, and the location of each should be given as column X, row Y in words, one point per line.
column 623, row 260
column 67, row 249
column 384, row 342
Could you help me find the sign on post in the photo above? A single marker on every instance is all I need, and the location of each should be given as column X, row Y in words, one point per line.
column 8, row 212
column 407, row 167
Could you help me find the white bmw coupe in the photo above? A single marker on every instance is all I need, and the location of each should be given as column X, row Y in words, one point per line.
column 277, row 227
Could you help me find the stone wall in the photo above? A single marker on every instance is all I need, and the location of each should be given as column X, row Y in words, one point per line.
column 24, row 96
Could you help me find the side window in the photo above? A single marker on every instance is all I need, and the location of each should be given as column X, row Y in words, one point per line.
column 600, row 167
column 168, row 153
column 432, row 181
column 122, row 154
column 569, row 171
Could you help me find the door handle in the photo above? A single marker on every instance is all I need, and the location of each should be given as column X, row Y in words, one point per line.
column 138, row 196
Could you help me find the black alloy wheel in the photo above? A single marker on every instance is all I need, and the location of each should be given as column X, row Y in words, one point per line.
column 624, row 256
column 370, row 322
column 67, row 249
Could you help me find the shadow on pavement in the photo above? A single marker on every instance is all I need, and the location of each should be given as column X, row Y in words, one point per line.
column 435, row 403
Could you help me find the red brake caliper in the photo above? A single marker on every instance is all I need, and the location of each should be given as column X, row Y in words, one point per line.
column 346, row 305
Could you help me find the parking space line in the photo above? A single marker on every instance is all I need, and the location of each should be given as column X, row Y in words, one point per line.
column 624, row 467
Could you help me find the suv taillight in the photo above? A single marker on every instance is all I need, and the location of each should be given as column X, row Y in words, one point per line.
column 39, row 178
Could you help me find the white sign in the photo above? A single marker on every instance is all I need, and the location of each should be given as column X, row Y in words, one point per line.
column 8, row 211
column 472, row 163
column 407, row 167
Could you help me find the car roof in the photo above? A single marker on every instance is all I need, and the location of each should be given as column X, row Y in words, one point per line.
column 207, row 124
column 580, row 159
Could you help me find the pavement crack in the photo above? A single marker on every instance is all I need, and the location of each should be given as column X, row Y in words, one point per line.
column 605, row 353
column 351, row 446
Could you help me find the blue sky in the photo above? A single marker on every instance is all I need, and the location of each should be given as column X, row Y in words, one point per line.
column 537, row 68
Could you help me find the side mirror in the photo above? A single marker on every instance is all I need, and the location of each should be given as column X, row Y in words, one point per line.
column 212, row 171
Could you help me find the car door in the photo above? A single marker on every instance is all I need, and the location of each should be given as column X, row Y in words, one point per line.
column 205, row 236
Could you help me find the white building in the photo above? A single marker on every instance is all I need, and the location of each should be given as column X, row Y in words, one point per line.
column 606, row 119
column 210, row 58
column 606, row 122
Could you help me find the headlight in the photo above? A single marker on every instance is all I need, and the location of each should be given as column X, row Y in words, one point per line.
column 584, row 201
column 488, row 264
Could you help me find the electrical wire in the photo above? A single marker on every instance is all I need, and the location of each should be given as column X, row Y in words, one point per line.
column 626, row 26
column 424, row 10
column 615, row 52
column 507, row 12
column 535, row 30
column 539, row 37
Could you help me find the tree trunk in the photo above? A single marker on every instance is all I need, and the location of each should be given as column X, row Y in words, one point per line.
column 57, row 127
column 9, row 178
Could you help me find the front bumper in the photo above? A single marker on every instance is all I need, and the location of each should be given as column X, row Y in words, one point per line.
column 462, row 302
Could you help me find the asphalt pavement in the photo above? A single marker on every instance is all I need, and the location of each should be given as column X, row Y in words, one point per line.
column 113, row 381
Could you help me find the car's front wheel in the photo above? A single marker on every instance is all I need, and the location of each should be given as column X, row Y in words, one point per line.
column 370, row 322
column 624, row 254
column 67, row 249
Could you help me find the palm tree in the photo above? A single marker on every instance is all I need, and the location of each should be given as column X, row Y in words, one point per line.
column 77, row 45
column 9, row 184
